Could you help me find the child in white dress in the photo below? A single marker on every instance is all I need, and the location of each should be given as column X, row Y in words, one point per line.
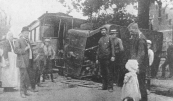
column 131, row 85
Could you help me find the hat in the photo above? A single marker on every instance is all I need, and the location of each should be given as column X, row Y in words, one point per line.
column 149, row 42
column 103, row 28
column 38, row 41
column 25, row 29
column 33, row 44
column 47, row 40
column 133, row 26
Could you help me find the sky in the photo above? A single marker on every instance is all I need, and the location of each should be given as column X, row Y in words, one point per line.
column 23, row 12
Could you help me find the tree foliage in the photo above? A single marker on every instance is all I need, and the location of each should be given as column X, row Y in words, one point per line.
column 98, row 11
column 4, row 23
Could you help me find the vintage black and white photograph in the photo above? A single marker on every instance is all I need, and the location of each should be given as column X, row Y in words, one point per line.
column 86, row 50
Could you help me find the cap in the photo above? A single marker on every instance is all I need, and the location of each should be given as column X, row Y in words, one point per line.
column 47, row 40
column 149, row 42
column 25, row 29
column 113, row 31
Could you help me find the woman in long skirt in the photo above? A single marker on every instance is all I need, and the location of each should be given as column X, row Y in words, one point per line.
column 10, row 73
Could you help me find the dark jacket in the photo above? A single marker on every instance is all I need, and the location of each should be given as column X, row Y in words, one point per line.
column 22, row 55
column 139, row 51
column 117, row 44
column 105, row 48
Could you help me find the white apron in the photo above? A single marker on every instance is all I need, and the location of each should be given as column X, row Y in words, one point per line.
column 10, row 73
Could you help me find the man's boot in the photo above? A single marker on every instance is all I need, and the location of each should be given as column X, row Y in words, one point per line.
column 104, row 85
column 52, row 77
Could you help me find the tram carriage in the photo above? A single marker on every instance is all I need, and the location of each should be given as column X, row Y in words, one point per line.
column 53, row 26
column 81, row 46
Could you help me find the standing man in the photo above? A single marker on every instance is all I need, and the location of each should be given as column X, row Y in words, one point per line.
column 105, row 54
column 139, row 51
column 168, row 61
column 39, row 61
column 118, row 49
column 24, row 54
column 151, row 59
column 49, row 55
column 150, row 53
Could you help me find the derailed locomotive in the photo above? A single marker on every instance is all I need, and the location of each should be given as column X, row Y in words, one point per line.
column 81, row 46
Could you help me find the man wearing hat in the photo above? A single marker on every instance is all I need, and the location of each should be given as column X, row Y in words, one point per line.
column 24, row 55
column 118, row 48
column 139, row 51
column 105, row 54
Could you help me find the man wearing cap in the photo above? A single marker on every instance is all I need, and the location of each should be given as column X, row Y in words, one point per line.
column 139, row 51
column 150, row 53
column 50, row 55
column 105, row 54
column 118, row 48
column 24, row 54
column 39, row 61
column 151, row 59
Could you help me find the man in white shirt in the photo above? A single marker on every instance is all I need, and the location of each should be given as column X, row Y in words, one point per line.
column 150, row 53
column 151, row 59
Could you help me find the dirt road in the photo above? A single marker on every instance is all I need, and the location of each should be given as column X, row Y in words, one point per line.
column 60, row 91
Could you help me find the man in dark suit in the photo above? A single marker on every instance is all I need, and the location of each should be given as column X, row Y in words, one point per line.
column 139, row 51
column 24, row 54
column 105, row 54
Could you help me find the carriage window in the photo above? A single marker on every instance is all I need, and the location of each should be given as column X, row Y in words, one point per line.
column 32, row 35
column 37, row 33
column 48, row 31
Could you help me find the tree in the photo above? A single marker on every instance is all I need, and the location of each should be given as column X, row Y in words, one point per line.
column 4, row 23
column 97, row 11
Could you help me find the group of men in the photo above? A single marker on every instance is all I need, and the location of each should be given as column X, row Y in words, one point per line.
column 108, row 51
column 32, row 63
column 108, row 55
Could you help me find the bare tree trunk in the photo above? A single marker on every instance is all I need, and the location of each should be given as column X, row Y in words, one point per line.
column 143, row 13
